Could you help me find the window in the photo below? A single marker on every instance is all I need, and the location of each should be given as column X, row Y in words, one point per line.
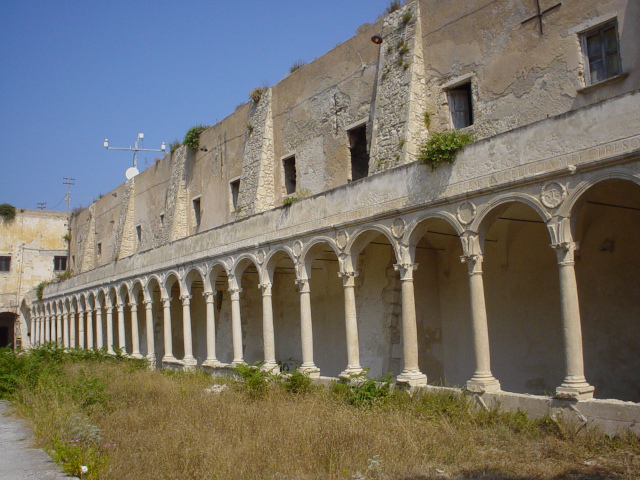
column 5, row 264
column 359, row 154
column 59, row 264
column 289, row 165
column 139, row 234
column 162, row 219
column 602, row 53
column 197, row 213
column 235, row 192
column 460, row 105
column 99, row 248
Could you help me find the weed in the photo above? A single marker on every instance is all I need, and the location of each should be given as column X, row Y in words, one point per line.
column 297, row 383
column 40, row 289
column 250, row 128
column 406, row 18
column 7, row 213
column 297, row 65
column 173, row 146
column 362, row 391
column 192, row 137
column 442, row 147
column 403, row 47
column 256, row 94
column 394, row 5
column 426, row 118
column 66, row 275
column 254, row 380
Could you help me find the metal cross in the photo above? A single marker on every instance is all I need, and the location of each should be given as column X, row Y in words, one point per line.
column 539, row 14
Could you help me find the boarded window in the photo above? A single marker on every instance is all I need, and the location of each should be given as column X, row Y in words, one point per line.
column 289, row 165
column 235, row 193
column 359, row 154
column 460, row 106
column 59, row 264
column 5, row 263
column 601, row 49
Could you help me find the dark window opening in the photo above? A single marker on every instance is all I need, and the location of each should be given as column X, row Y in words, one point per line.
column 139, row 234
column 461, row 106
column 602, row 52
column 99, row 250
column 359, row 154
column 235, row 192
column 289, row 165
column 59, row 264
column 162, row 219
column 5, row 264
column 197, row 213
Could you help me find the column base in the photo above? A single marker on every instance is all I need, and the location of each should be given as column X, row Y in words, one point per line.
column 212, row 363
column 482, row 384
column 412, row 379
column 171, row 360
column 575, row 390
column 351, row 372
column 151, row 359
column 189, row 363
column 136, row 355
column 271, row 368
column 310, row 369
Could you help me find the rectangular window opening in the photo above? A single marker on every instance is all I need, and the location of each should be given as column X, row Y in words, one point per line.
column 235, row 192
column 602, row 53
column 289, row 165
column 460, row 106
column 59, row 264
column 197, row 213
column 162, row 219
column 5, row 263
column 359, row 154
column 139, row 234
column 99, row 250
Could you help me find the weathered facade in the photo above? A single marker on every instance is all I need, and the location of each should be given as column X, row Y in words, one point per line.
column 302, row 231
column 33, row 249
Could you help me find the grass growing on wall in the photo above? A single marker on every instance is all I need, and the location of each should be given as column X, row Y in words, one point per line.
column 441, row 147
column 124, row 422
column 192, row 137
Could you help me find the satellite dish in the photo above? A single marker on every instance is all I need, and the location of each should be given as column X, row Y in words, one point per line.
column 131, row 172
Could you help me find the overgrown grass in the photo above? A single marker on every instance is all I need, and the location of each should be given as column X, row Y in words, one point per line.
column 122, row 422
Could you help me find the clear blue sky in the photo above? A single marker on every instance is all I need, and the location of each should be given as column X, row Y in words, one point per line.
column 75, row 72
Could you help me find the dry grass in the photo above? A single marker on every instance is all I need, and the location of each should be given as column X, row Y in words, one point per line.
column 167, row 427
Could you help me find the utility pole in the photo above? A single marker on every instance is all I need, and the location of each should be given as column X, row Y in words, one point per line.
column 68, row 182
column 42, row 205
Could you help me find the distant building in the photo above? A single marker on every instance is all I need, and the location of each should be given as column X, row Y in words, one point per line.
column 303, row 231
column 33, row 249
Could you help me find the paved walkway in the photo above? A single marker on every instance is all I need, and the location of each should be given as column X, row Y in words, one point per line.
column 18, row 459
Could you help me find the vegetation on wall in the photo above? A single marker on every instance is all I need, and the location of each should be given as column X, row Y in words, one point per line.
column 192, row 137
column 442, row 147
column 256, row 94
column 299, row 195
column 40, row 289
column 7, row 212
column 173, row 146
column 297, row 65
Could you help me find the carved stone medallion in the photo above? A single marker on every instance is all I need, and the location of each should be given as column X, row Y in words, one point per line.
column 297, row 248
column 260, row 256
column 466, row 213
column 398, row 227
column 342, row 237
column 553, row 194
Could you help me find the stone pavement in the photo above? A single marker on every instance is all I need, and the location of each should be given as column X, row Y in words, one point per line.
column 18, row 459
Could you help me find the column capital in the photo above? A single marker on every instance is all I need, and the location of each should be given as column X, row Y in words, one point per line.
column 185, row 299
column 303, row 285
column 565, row 252
column 109, row 308
column 166, row 301
column 348, row 278
column 119, row 306
column 265, row 288
column 133, row 305
column 406, row 270
column 148, row 303
column 208, row 295
column 97, row 310
column 474, row 263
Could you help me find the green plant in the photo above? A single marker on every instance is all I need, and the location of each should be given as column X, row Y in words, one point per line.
column 297, row 383
column 361, row 391
column 289, row 200
column 63, row 275
column 250, row 128
column 406, row 18
column 427, row 118
column 77, row 210
column 442, row 147
column 66, row 237
column 403, row 47
column 7, row 212
column 192, row 137
column 173, row 146
column 402, row 142
column 40, row 289
column 393, row 6
column 297, row 65
column 302, row 193
column 255, row 381
column 256, row 94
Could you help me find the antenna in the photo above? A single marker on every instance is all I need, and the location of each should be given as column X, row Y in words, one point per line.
column 42, row 205
column 68, row 182
column 133, row 171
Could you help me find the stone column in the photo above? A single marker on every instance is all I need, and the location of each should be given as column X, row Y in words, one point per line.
column 151, row 348
column 306, row 329
column 411, row 375
column 212, row 360
column 99, row 336
column 168, row 345
column 135, row 333
column 189, row 360
column 47, row 326
column 482, row 380
column 122, row 339
column 268, row 337
column 65, row 322
column 32, row 335
column 89, row 316
column 351, row 325
column 59, row 329
column 236, row 325
column 72, row 329
column 574, row 386
column 109, row 311
column 82, row 318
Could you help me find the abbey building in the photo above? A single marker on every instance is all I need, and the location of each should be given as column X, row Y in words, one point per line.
column 304, row 232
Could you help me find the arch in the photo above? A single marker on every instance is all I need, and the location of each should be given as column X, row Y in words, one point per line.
column 419, row 227
column 313, row 248
column 273, row 257
column 170, row 278
column 191, row 275
column 242, row 263
column 363, row 237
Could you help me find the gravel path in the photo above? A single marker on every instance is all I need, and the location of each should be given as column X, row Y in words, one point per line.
column 18, row 459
